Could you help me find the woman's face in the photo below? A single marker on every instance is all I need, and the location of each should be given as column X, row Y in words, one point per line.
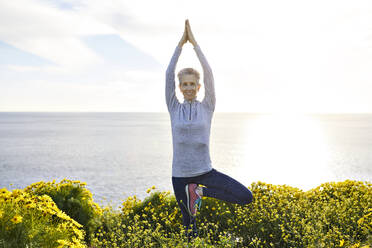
column 189, row 86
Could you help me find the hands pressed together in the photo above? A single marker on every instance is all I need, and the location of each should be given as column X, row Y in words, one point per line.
column 187, row 35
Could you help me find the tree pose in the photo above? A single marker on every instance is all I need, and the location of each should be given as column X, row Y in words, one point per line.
column 192, row 173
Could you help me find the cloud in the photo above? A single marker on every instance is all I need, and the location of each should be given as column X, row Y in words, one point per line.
column 262, row 53
column 49, row 33
column 125, row 92
column 13, row 56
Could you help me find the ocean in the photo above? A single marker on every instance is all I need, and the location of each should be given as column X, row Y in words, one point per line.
column 123, row 154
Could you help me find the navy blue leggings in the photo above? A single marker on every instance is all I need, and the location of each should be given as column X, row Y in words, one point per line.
column 217, row 185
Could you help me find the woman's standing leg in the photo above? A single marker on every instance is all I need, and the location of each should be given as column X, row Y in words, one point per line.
column 223, row 187
column 179, row 184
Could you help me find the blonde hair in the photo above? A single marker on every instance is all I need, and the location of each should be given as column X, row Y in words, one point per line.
column 188, row 71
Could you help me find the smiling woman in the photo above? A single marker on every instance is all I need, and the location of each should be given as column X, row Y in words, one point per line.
column 192, row 173
column 287, row 149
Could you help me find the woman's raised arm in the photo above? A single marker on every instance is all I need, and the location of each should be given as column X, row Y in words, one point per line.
column 210, row 95
column 170, row 88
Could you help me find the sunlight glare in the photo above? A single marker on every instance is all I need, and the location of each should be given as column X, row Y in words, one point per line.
column 286, row 149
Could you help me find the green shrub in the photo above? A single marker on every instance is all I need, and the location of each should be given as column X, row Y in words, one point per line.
column 154, row 222
column 331, row 215
column 73, row 198
column 333, row 211
column 28, row 220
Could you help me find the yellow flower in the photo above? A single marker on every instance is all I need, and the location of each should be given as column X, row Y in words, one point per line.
column 1, row 213
column 3, row 191
column 62, row 243
column 17, row 219
column 342, row 242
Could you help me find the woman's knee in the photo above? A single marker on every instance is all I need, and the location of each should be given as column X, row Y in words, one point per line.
column 248, row 197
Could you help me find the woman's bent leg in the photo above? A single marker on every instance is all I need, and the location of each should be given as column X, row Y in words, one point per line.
column 223, row 187
column 218, row 185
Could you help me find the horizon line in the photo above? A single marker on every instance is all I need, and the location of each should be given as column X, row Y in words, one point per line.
column 222, row 112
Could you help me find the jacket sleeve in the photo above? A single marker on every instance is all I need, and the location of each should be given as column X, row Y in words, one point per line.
column 170, row 89
column 210, row 95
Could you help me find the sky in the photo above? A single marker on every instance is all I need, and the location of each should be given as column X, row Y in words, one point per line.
column 111, row 56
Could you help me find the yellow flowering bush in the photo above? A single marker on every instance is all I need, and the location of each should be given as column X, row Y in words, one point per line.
column 331, row 215
column 74, row 199
column 365, row 223
column 333, row 211
column 269, row 221
column 28, row 220
column 154, row 222
column 283, row 216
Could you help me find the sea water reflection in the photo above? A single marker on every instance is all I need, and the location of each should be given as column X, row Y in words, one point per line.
column 122, row 154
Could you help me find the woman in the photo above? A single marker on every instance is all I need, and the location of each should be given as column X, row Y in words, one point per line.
column 191, row 122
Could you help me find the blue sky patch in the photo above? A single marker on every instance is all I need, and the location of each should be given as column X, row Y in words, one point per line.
column 63, row 5
column 11, row 55
column 117, row 51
